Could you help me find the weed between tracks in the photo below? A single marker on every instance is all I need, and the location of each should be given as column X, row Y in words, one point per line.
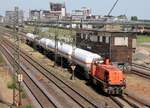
column 1, row 60
column 6, row 86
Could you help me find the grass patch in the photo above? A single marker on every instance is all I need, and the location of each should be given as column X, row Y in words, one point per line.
column 29, row 29
column 63, row 34
column 59, row 31
column 28, row 106
column 11, row 85
column 143, row 38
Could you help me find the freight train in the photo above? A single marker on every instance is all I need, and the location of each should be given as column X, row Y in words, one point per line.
column 91, row 65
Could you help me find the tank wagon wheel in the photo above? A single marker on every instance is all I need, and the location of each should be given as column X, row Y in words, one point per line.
column 121, row 67
column 127, row 67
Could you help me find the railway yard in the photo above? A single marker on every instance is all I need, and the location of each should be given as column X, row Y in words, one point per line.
column 51, row 86
column 59, row 59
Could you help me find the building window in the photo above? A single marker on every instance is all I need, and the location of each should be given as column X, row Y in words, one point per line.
column 86, row 36
column 121, row 41
column 81, row 36
column 107, row 39
column 133, row 43
column 94, row 38
column 104, row 39
column 100, row 38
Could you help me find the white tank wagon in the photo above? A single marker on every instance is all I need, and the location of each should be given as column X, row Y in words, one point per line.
column 30, row 38
column 65, row 50
column 51, row 45
column 43, row 42
column 81, row 57
column 85, row 58
column 48, row 44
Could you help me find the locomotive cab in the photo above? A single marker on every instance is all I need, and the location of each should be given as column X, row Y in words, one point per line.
column 108, row 76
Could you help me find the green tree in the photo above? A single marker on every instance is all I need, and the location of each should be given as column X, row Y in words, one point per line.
column 134, row 18
column 122, row 16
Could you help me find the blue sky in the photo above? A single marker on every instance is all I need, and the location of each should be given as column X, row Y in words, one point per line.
column 138, row 8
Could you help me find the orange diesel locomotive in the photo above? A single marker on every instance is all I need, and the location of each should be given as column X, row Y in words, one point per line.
column 108, row 76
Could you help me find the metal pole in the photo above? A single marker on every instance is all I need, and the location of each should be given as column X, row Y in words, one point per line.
column 20, row 99
column 73, row 50
column 15, row 65
column 16, row 53
column 56, row 41
column 61, row 58
column 110, row 42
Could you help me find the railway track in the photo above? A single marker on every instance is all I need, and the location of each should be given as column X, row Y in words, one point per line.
column 140, row 70
column 128, row 101
column 121, row 101
column 42, row 99
column 141, row 66
column 81, row 100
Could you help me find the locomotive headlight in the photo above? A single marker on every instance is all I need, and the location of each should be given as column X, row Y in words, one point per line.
column 109, row 81
column 123, row 82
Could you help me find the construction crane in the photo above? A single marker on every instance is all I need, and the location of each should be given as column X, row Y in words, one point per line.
column 112, row 8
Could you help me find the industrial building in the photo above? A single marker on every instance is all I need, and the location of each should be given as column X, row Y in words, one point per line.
column 9, row 17
column 117, row 45
column 34, row 15
column 1, row 19
column 82, row 13
column 57, row 10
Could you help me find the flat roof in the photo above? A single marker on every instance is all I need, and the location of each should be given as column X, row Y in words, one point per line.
column 107, row 31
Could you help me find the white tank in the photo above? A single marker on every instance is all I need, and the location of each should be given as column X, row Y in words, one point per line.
column 42, row 42
column 81, row 57
column 65, row 50
column 48, row 44
column 84, row 58
column 30, row 36
column 51, row 45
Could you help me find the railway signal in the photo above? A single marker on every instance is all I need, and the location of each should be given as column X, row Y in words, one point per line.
column 73, row 69
column 73, row 66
